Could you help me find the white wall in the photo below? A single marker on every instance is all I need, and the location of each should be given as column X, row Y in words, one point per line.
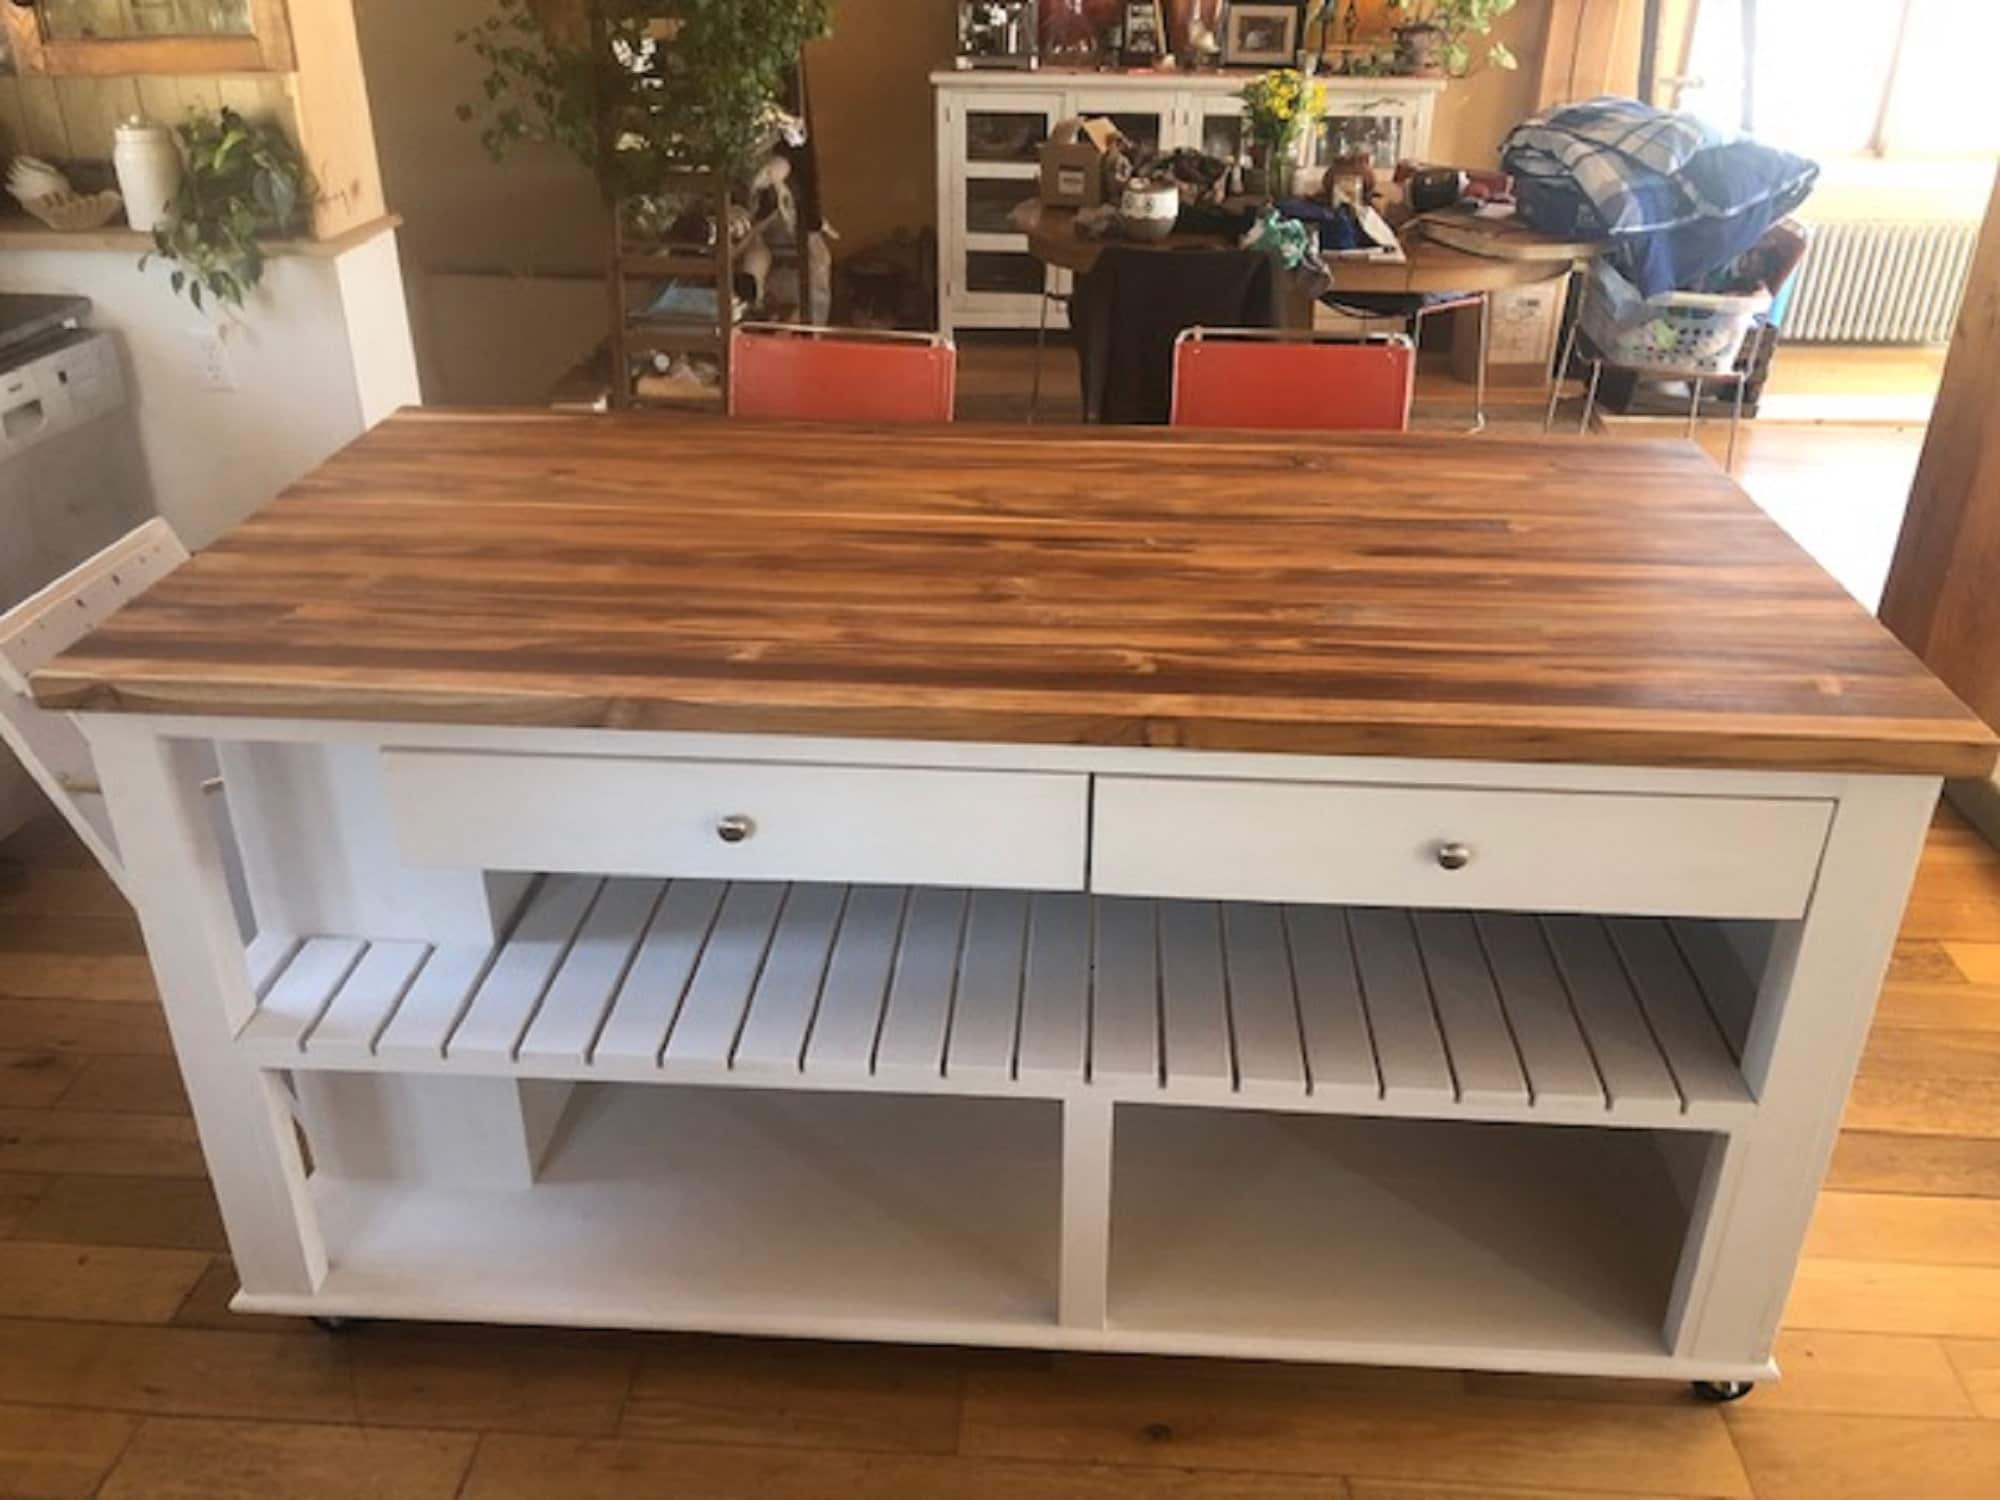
column 321, row 352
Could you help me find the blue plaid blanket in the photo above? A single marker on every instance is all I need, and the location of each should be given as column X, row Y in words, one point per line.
column 1676, row 198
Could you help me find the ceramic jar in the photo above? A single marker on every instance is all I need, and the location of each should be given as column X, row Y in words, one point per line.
column 1148, row 208
column 148, row 162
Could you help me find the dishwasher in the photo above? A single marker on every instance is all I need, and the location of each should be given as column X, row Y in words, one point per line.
column 72, row 472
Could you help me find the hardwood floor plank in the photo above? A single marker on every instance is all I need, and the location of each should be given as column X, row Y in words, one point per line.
column 1397, row 1489
column 58, row 1455
column 141, row 1085
column 147, row 1213
column 1898, row 1052
column 1978, row 961
column 35, row 1080
column 61, row 890
column 99, row 1282
column 510, row 1467
column 71, row 935
column 1881, row 1226
column 515, row 1386
column 1820, row 1456
column 1925, row 1106
column 1863, row 1373
column 1884, row 1162
column 126, row 978
column 1947, row 919
column 1947, row 1006
column 207, row 1306
column 1977, row 1364
column 177, row 1371
column 1199, row 1423
column 19, row 1193
column 51, row 1140
column 797, row 1395
column 96, row 1027
column 1923, row 960
column 179, row 1459
column 1872, row 1296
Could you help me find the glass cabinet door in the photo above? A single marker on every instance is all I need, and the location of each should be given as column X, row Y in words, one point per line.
column 1379, row 137
column 1222, row 132
column 1146, row 127
column 87, row 20
column 106, row 37
column 1005, row 135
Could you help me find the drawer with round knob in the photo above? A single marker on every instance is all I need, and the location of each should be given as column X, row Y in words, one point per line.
column 615, row 815
column 1487, row 849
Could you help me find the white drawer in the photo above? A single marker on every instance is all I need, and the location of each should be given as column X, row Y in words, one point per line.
column 1523, row 851
column 615, row 816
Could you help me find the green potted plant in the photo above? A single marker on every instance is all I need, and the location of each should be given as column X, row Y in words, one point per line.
column 243, row 182
column 688, row 83
column 1434, row 36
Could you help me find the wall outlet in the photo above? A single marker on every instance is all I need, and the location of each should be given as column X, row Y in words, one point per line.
column 211, row 359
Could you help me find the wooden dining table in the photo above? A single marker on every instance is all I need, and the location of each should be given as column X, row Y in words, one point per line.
column 1516, row 256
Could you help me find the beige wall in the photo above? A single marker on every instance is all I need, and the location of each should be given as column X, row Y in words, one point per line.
column 871, row 103
column 1477, row 111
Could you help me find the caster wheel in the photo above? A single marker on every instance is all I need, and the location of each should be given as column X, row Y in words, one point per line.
column 1723, row 1390
column 336, row 1325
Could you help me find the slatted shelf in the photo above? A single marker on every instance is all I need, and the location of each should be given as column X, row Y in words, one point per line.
column 1354, row 1010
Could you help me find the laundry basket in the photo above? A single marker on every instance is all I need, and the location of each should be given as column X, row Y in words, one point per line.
column 1690, row 333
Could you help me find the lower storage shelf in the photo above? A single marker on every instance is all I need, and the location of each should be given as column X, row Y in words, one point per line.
column 840, row 1216
column 1435, row 1242
column 948, row 1220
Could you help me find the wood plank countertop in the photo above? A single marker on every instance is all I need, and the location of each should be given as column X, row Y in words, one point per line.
column 1487, row 598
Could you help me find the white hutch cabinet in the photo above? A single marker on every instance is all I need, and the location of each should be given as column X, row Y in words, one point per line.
column 991, row 125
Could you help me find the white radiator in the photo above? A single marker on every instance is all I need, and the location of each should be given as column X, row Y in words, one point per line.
column 1881, row 283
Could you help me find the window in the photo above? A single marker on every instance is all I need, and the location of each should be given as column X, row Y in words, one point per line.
column 1871, row 78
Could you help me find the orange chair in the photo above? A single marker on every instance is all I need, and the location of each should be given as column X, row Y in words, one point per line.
column 1254, row 377
column 817, row 374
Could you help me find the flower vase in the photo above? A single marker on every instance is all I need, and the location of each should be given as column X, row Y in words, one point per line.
column 1274, row 167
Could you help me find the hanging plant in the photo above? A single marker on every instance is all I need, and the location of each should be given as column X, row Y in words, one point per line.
column 683, row 83
column 1434, row 35
column 243, row 182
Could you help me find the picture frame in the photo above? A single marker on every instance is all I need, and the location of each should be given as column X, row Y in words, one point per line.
column 1264, row 36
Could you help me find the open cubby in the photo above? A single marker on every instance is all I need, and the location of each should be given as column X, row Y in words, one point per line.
column 1439, row 1239
column 734, row 1209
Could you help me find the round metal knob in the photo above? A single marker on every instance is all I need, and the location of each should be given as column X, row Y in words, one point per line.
column 1453, row 856
column 735, row 828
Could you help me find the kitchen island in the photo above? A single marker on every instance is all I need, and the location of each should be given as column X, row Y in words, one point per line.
column 1389, row 899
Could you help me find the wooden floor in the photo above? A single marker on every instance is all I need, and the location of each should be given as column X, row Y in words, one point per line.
column 122, row 1374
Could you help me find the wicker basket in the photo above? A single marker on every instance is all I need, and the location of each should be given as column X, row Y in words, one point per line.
column 1690, row 333
column 75, row 212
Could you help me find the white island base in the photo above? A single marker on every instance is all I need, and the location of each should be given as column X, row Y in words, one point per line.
column 1118, row 1087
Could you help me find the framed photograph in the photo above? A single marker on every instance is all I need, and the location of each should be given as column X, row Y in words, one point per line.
column 1265, row 36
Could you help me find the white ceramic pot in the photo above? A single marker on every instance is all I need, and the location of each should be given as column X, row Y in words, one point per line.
column 1148, row 209
column 148, row 162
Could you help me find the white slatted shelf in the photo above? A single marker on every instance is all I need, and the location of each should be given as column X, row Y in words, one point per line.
column 1323, row 1008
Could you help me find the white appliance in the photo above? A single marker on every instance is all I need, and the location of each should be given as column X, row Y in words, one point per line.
column 72, row 473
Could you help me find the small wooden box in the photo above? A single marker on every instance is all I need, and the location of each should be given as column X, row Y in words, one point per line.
column 1526, row 323
column 1072, row 174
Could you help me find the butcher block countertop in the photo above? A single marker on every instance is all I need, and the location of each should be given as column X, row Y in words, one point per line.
column 1489, row 598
